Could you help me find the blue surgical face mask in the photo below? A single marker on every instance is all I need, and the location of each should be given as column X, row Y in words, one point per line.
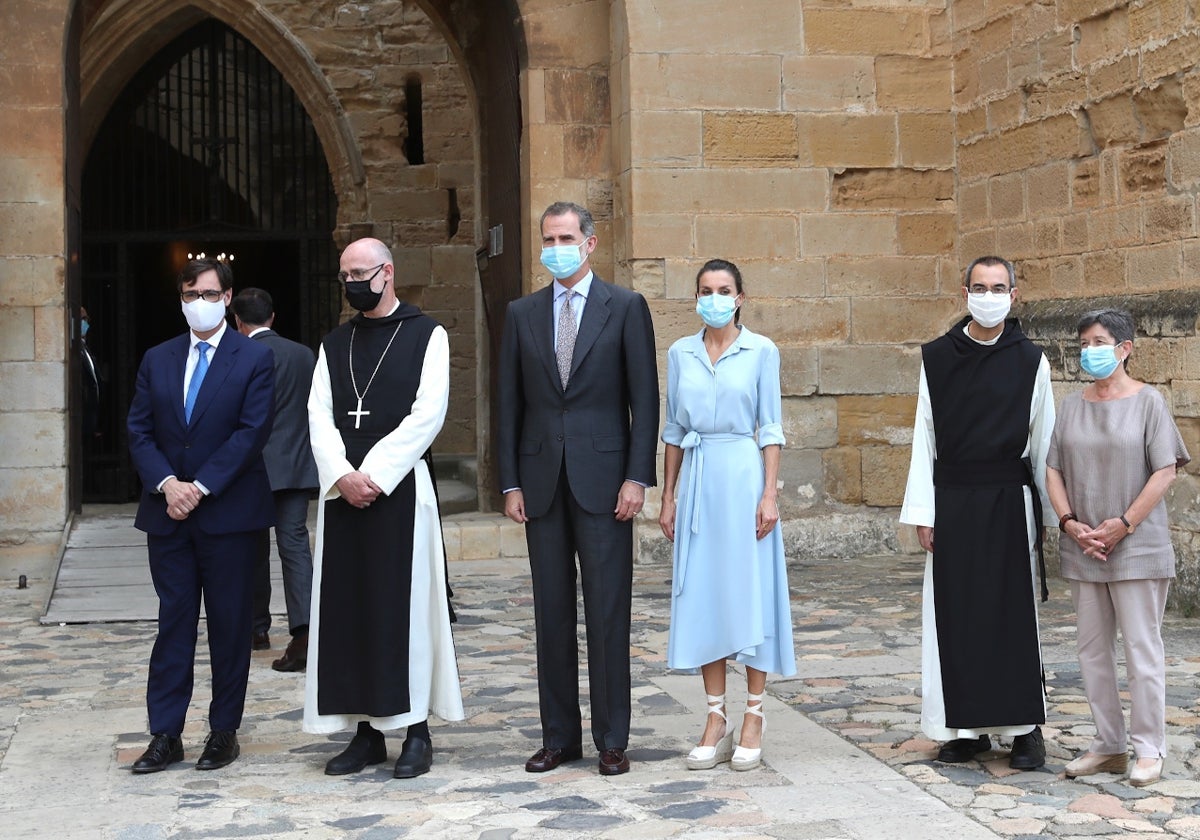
column 1099, row 362
column 716, row 310
column 563, row 260
column 83, row 328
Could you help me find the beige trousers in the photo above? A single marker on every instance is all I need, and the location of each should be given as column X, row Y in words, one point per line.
column 1136, row 607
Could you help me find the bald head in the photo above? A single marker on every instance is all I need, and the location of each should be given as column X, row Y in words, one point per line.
column 370, row 250
column 369, row 260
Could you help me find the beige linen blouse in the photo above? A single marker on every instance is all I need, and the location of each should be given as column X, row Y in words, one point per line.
column 1106, row 452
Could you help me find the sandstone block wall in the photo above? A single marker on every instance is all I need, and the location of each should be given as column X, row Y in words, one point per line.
column 426, row 211
column 1077, row 129
column 813, row 144
column 33, row 321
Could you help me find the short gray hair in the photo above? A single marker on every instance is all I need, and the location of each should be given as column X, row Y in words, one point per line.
column 587, row 225
column 1118, row 322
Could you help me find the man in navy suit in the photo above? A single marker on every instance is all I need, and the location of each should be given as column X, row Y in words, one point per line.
column 201, row 415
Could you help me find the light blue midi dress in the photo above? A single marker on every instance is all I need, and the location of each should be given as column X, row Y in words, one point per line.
column 729, row 596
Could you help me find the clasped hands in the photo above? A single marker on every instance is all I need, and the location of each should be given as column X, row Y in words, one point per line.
column 182, row 498
column 358, row 489
column 1097, row 542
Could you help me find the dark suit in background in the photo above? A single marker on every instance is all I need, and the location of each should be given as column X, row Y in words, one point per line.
column 205, row 549
column 569, row 451
column 293, row 475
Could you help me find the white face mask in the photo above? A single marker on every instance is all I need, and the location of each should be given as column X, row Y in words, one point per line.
column 203, row 316
column 989, row 309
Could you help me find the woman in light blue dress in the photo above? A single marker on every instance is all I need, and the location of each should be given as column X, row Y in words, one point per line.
column 729, row 597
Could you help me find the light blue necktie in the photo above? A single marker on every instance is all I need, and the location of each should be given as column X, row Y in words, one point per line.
column 189, row 401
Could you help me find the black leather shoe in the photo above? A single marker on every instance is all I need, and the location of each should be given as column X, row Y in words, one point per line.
column 1028, row 751
column 614, row 762
column 220, row 750
column 163, row 751
column 260, row 641
column 547, row 758
column 963, row 749
column 416, row 757
column 363, row 750
column 295, row 658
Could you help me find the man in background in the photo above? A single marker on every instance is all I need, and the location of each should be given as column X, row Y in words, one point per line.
column 293, row 475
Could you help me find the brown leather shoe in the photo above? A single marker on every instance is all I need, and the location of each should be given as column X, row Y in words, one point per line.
column 295, row 657
column 547, row 758
column 260, row 641
column 614, row 762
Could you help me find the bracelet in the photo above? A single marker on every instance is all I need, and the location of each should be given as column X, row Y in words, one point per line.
column 1125, row 522
column 1065, row 518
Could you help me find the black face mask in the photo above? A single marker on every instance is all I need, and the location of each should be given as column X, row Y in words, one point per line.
column 360, row 296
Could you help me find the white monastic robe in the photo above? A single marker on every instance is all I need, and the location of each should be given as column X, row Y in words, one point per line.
column 433, row 683
column 918, row 509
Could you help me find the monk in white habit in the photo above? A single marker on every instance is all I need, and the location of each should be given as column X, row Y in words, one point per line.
column 380, row 654
column 977, row 494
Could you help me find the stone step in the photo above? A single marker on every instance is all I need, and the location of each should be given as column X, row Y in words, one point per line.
column 455, row 496
column 457, row 483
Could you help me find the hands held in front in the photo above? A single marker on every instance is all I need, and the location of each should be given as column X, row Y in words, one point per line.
column 1097, row 542
column 182, row 498
column 358, row 489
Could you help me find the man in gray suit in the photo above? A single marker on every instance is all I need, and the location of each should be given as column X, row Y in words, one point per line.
column 578, row 433
column 293, row 476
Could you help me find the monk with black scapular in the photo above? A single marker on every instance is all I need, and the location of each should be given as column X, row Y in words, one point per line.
column 985, row 413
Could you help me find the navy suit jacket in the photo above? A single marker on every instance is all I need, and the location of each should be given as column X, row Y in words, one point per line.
column 222, row 445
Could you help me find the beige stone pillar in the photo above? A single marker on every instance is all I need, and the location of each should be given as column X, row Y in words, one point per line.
column 33, row 317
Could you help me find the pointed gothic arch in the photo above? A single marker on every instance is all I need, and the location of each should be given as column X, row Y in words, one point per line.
column 124, row 32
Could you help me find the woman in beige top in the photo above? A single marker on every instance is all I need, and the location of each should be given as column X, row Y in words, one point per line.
column 1113, row 454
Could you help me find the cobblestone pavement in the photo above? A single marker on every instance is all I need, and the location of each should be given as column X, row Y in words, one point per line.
column 72, row 720
column 858, row 650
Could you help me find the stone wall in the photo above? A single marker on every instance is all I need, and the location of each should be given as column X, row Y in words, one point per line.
column 850, row 157
column 427, row 212
column 33, row 320
column 813, row 144
column 567, row 148
column 1078, row 126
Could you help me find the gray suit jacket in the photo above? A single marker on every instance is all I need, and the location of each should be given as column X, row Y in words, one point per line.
column 604, row 425
column 288, row 454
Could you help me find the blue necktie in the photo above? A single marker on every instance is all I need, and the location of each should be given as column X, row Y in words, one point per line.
column 189, row 401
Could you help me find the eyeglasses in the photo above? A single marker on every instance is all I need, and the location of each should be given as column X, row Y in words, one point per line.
column 979, row 289
column 360, row 274
column 210, row 295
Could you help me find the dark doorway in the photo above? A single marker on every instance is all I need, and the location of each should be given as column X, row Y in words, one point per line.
column 206, row 150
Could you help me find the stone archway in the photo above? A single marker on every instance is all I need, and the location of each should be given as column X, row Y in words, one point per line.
column 206, row 149
column 351, row 78
column 121, row 34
